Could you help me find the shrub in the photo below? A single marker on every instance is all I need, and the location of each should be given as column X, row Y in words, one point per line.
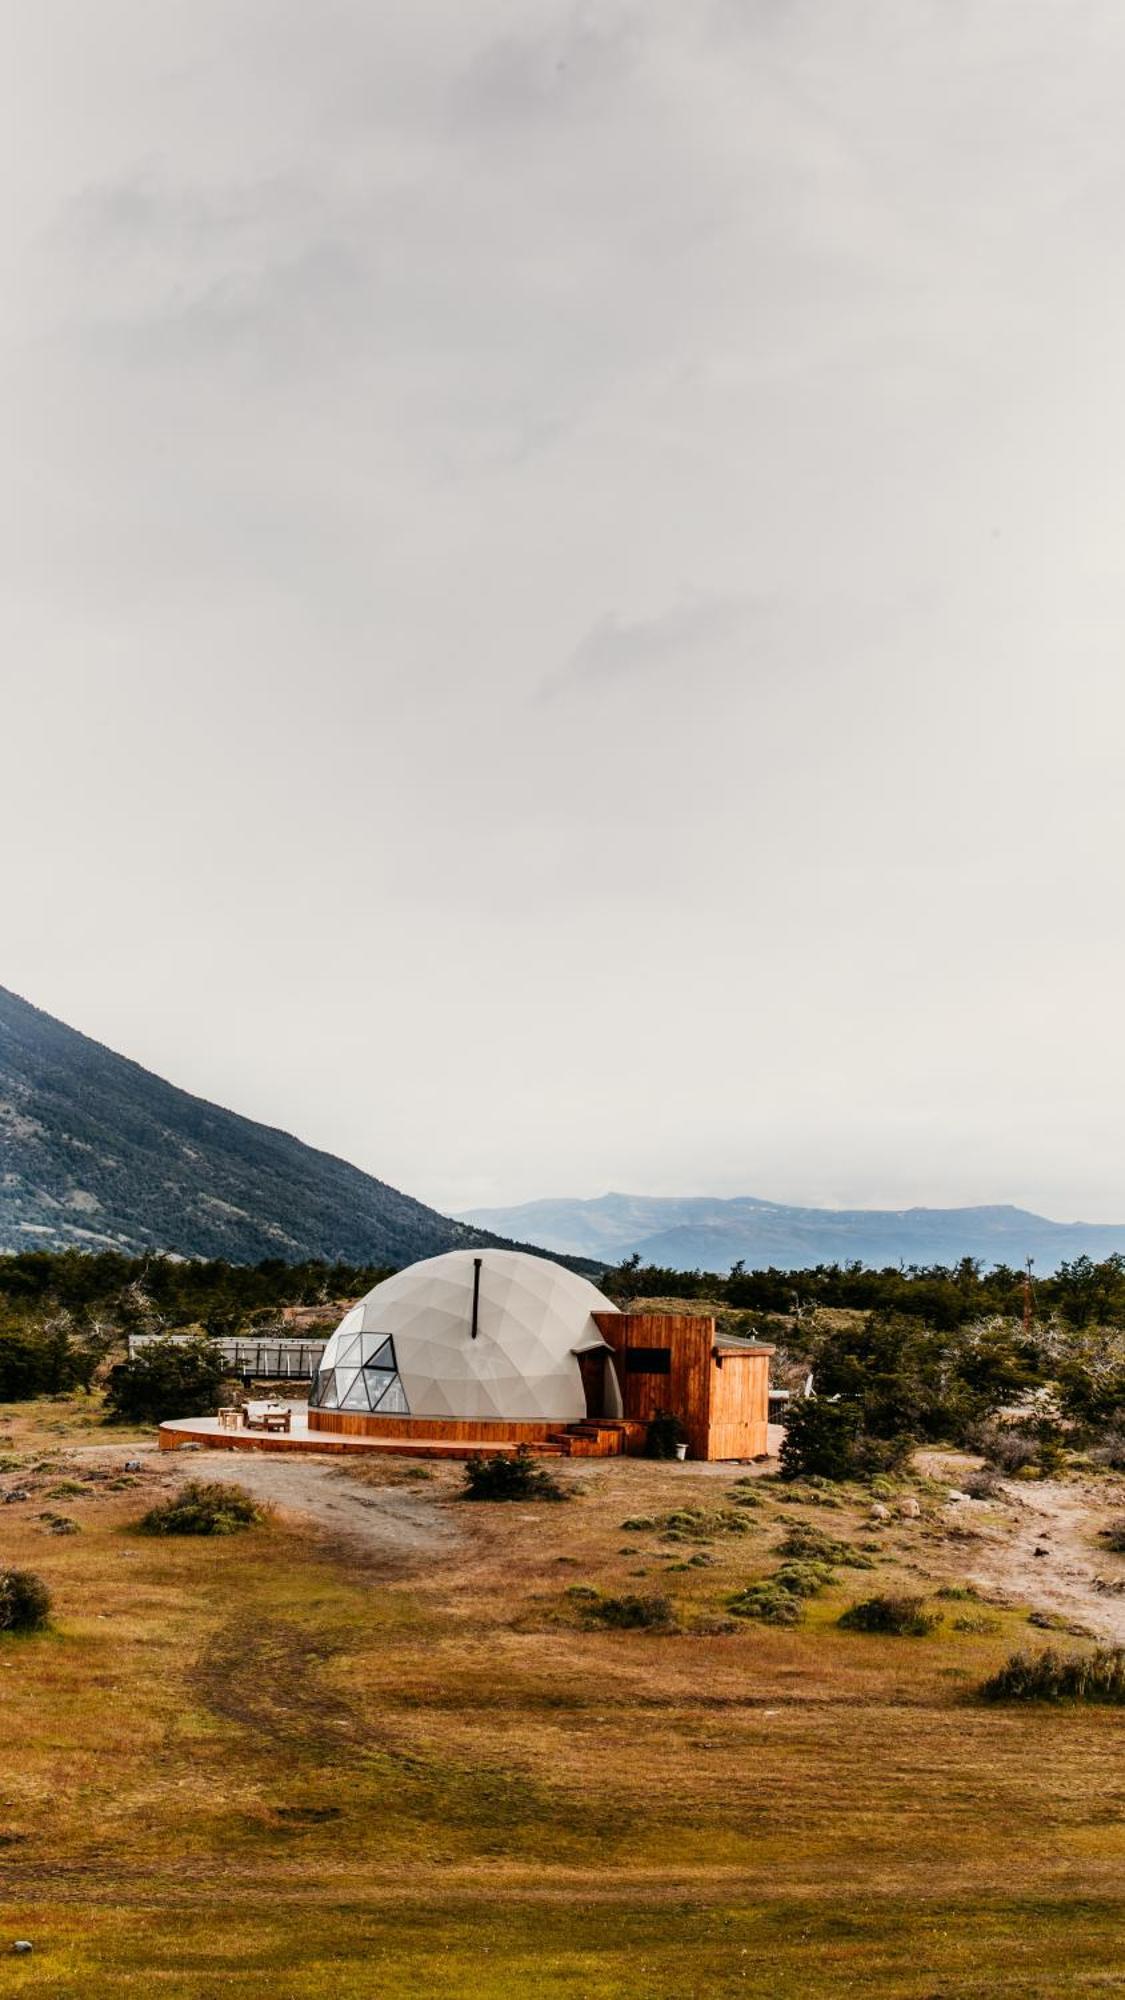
column 630, row 1613
column 801, row 1579
column 820, row 1437
column 202, row 1507
column 25, row 1601
column 1110, row 1450
column 826, row 1441
column 778, row 1599
column 695, row 1524
column 905, row 1617
column 517, row 1478
column 166, row 1378
column 664, row 1433
column 1031, row 1448
column 765, row 1602
column 982, row 1484
column 1114, row 1536
column 1095, row 1677
column 639, row 1524
column 808, row 1544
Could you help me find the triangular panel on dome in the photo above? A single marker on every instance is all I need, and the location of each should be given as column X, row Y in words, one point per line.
column 392, row 1399
column 378, row 1352
column 348, row 1398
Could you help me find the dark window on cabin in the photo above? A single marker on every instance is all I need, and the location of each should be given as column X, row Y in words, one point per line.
column 648, row 1360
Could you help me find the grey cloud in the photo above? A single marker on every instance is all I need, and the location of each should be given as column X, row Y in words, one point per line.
column 503, row 488
column 555, row 72
column 615, row 648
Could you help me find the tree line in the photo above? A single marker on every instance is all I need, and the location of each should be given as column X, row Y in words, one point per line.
column 1082, row 1292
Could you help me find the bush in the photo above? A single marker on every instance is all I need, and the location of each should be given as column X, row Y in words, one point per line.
column 202, row 1507
column 982, row 1484
column 905, row 1617
column 518, row 1478
column 808, row 1544
column 769, row 1604
column 25, row 1601
column 820, row 1438
column 826, row 1441
column 1114, row 1536
column 1094, row 1677
column 1110, row 1451
column 695, row 1524
column 166, row 1378
column 801, row 1579
column 1033, row 1447
column 630, row 1614
column 778, row 1599
column 664, row 1433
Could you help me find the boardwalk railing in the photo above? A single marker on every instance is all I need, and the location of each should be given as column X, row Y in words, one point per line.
column 271, row 1360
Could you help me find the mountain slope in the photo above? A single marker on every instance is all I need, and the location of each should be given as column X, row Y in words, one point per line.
column 97, row 1153
column 709, row 1234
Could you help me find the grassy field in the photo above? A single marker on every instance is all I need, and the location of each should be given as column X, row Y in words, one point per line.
column 290, row 1762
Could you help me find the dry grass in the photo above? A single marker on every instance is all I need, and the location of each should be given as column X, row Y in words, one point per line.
column 282, row 1762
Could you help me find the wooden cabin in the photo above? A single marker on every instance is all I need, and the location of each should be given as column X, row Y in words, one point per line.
column 716, row 1384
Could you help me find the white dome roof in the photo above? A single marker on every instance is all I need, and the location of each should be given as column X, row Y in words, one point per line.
column 407, row 1348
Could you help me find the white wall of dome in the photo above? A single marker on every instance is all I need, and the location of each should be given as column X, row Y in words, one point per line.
column 408, row 1347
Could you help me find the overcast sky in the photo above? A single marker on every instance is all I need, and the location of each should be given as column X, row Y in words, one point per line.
column 563, row 582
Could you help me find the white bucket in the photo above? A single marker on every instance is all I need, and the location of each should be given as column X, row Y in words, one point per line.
column 681, row 1452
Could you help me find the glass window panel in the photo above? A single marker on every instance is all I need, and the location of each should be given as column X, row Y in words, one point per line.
column 349, row 1398
column 327, row 1398
column 382, row 1357
column 392, row 1402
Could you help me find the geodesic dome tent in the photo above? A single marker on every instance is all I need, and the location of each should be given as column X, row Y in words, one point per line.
column 487, row 1335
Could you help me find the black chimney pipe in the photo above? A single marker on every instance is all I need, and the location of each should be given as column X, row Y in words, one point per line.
column 477, row 1261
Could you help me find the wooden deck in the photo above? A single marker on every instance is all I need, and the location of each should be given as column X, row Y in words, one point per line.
column 207, row 1433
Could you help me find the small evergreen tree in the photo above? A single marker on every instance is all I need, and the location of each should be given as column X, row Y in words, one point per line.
column 820, row 1440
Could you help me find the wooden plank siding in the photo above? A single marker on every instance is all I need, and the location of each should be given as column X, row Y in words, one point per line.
column 688, row 1339
column 456, row 1430
column 739, row 1412
column 721, row 1395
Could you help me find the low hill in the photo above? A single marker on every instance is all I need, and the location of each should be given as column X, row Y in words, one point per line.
column 702, row 1233
column 98, row 1153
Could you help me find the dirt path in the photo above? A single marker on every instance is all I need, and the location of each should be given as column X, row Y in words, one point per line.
column 391, row 1521
column 1073, row 1576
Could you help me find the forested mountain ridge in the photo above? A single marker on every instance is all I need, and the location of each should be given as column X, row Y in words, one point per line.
column 97, row 1153
column 710, row 1234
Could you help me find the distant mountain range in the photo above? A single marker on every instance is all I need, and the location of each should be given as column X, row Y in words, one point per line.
column 96, row 1153
column 699, row 1232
